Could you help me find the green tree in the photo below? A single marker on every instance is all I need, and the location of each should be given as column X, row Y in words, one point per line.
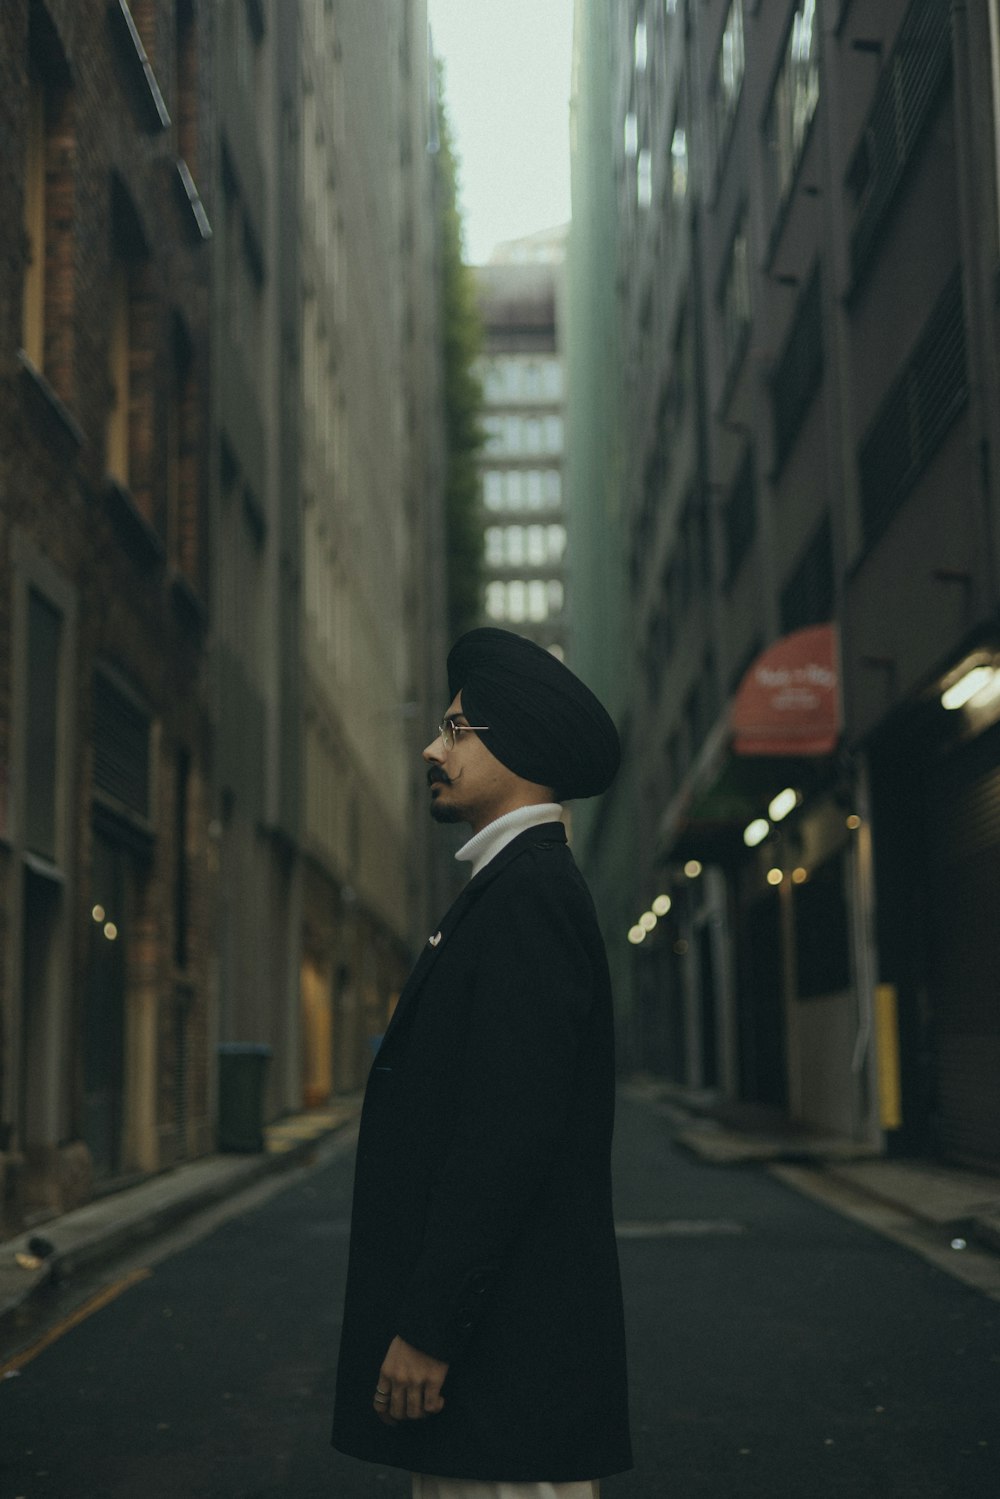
column 463, row 395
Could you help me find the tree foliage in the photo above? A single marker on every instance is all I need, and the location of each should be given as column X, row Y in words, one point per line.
column 463, row 395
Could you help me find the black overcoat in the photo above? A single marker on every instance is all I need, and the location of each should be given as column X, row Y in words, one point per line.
column 482, row 1229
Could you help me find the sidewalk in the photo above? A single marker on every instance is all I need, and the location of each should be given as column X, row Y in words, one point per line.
column 109, row 1225
column 966, row 1203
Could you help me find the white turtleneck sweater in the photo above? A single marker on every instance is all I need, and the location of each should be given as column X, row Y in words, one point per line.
column 487, row 843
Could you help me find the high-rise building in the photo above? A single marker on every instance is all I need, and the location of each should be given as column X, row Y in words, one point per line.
column 523, row 506
column 805, row 241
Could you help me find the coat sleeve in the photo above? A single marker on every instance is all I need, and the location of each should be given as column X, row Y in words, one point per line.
column 531, row 994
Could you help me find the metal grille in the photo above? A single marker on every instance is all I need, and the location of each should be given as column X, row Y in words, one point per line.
column 916, row 414
column 907, row 90
column 799, row 371
column 121, row 746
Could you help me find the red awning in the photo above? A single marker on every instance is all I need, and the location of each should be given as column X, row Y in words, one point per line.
column 789, row 701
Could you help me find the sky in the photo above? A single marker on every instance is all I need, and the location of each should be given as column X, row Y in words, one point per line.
column 507, row 86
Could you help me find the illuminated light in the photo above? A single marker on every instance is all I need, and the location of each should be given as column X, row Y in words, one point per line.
column 756, row 831
column 647, row 921
column 692, row 869
column 800, row 875
column 636, row 935
column 786, row 801
column 854, row 822
column 110, row 931
column 98, row 913
column 661, row 905
column 967, row 687
column 775, row 876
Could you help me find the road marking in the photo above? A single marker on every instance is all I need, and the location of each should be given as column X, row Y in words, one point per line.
column 677, row 1228
column 80, row 1314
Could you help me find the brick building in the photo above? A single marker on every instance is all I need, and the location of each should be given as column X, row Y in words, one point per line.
column 105, row 890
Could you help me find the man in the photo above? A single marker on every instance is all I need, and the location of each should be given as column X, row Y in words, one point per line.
column 482, row 1345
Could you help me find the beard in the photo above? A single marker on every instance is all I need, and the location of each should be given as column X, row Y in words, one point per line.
column 441, row 813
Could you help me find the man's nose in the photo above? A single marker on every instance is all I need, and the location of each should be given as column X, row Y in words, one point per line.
column 434, row 752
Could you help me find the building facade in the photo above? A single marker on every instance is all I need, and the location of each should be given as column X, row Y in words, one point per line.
column 221, row 565
column 371, row 545
column 806, row 237
column 105, row 883
column 519, row 295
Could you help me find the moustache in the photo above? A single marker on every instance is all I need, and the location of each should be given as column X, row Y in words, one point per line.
column 436, row 776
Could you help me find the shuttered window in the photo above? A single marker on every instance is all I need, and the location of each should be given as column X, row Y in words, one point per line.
column 916, row 414
column 121, row 746
column 906, row 94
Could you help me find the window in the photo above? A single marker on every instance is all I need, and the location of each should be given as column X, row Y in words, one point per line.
column 728, row 81
column 556, row 542
column 45, row 629
column 493, row 489
column 917, row 412
column 553, row 434
column 796, row 94
column 121, row 740
column 799, row 370
column 533, row 489
column 536, row 550
column 553, row 486
column 644, row 178
column 493, row 434
column 641, row 46
column 904, row 101
column 552, row 380
column 556, row 596
column 740, row 518
column 532, row 432
column 538, row 603
column 515, row 489
column 736, row 309
column 493, row 546
column 678, row 164
column 183, row 522
column 517, row 602
column 496, row 598
column 47, row 285
column 631, row 135
column 807, row 598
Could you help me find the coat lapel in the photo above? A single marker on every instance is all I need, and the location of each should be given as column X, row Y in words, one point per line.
column 548, row 832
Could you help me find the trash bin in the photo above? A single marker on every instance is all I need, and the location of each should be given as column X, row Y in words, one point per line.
column 242, row 1074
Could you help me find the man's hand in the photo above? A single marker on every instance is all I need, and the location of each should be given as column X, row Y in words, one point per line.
column 409, row 1385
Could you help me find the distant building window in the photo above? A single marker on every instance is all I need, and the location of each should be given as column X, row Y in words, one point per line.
column 493, row 434
column 532, row 432
column 552, row 384
column 553, row 434
column 533, row 489
column 536, row 549
column 556, row 596
column 517, row 602
column 553, row 486
column 678, row 164
column 555, row 543
column 493, row 546
column 736, row 308
column 515, row 489
column 531, row 383
column 513, row 546
column 493, row 489
column 538, row 602
column 644, row 178
column 641, row 46
column 631, row 135
column 729, row 69
column 796, row 94
column 496, row 598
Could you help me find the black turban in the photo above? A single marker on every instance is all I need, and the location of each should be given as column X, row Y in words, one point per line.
column 544, row 724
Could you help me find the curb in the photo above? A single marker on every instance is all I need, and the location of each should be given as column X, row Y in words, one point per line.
column 106, row 1227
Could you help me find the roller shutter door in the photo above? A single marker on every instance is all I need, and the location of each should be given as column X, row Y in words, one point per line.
column 964, row 950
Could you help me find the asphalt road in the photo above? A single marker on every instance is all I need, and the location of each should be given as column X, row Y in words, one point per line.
column 777, row 1350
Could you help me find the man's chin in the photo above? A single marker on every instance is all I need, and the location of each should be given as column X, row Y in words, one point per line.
column 442, row 812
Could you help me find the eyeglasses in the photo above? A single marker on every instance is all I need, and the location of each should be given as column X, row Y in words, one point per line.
column 449, row 729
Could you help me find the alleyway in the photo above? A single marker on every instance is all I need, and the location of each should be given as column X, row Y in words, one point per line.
column 777, row 1349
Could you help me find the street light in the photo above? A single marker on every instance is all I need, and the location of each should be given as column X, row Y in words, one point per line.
column 636, row 935
column 647, row 921
column 661, row 905
column 786, row 801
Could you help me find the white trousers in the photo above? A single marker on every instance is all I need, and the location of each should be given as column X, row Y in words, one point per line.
column 426, row 1487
